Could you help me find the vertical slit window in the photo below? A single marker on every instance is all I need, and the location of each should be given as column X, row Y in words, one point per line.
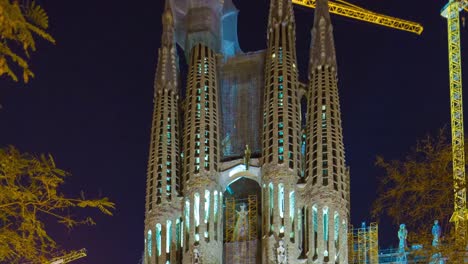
column 150, row 244
column 271, row 192
column 168, row 235
column 207, row 205
column 325, row 231
column 336, row 223
column 315, row 226
column 158, row 238
column 292, row 204
column 215, row 213
column 196, row 209
column 281, row 207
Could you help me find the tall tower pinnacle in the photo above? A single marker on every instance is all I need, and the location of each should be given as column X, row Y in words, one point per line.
column 322, row 44
column 281, row 134
column 280, row 11
column 166, row 72
column 203, row 241
column 163, row 205
column 326, row 177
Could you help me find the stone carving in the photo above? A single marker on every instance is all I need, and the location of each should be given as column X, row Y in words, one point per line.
column 436, row 232
column 196, row 256
column 281, row 253
column 241, row 229
column 402, row 235
column 247, row 154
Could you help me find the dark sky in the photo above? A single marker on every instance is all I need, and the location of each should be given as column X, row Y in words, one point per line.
column 91, row 102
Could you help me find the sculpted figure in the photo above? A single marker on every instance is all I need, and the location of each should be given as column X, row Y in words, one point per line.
column 247, row 153
column 402, row 235
column 241, row 228
column 281, row 253
column 436, row 232
column 196, row 256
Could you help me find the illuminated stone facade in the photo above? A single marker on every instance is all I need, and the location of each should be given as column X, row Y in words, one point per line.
column 240, row 116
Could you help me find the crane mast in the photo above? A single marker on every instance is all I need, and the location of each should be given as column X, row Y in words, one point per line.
column 460, row 215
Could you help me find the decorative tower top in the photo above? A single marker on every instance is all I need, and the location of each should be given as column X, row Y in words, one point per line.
column 322, row 44
column 166, row 72
column 280, row 11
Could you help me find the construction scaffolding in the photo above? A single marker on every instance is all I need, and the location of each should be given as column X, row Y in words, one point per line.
column 362, row 239
column 363, row 244
column 373, row 243
column 241, row 244
column 230, row 222
column 351, row 255
column 252, row 200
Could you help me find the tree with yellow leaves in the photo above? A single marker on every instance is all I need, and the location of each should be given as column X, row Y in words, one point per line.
column 30, row 200
column 417, row 191
column 20, row 24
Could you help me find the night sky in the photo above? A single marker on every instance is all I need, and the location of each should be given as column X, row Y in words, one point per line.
column 91, row 102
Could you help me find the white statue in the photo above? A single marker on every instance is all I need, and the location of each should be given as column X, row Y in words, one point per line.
column 436, row 232
column 196, row 256
column 242, row 224
column 281, row 253
column 402, row 235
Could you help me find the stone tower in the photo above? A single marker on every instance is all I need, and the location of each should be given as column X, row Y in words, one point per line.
column 202, row 193
column 281, row 133
column 163, row 206
column 235, row 131
column 326, row 177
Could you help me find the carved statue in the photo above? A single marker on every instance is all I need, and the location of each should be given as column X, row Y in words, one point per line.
column 281, row 253
column 241, row 229
column 402, row 235
column 196, row 256
column 436, row 232
column 247, row 154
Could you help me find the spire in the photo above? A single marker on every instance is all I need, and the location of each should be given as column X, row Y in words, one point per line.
column 280, row 11
column 168, row 24
column 166, row 73
column 322, row 48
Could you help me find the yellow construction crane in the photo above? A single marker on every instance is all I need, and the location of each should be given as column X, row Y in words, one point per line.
column 67, row 258
column 451, row 12
column 346, row 9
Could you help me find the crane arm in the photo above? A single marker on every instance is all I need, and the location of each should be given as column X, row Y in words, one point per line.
column 352, row 11
column 74, row 255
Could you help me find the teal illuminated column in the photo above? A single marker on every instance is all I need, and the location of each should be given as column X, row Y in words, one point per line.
column 326, row 177
column 203, row 241
column 163, row 218
column 281, row 135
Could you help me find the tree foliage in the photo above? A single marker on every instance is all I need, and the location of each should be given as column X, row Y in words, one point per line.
column 418, row 190
column 30, row 200
column 20, row 23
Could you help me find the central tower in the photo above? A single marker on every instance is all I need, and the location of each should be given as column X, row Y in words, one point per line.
column 232, row 143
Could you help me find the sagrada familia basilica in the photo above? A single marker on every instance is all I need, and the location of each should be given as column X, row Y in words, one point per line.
column 246, row 163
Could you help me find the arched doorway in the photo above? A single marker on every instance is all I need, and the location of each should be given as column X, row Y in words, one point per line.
column 242, row 221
